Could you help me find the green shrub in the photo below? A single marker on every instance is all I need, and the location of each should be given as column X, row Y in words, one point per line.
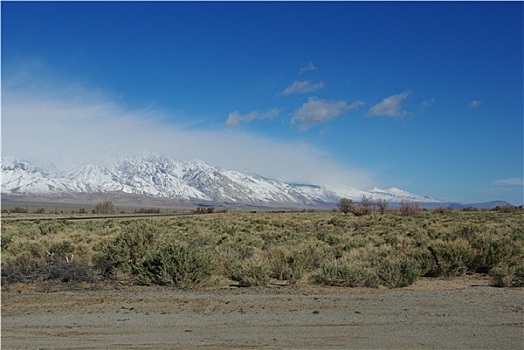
column 285, row 265
column 229, row 254
column 491, row 251
column 5, row 241
column 425, row 261
column 346, row 274
column 177, row 265
column 507, row 276
column 51, row 227
column 35, row 249
column 251, row 273
column 126, row 252
column 62, row 249
column 396, row 272
column 452, row 258
column 314, row 253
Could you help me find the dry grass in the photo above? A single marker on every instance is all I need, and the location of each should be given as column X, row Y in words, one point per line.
column 251, row 249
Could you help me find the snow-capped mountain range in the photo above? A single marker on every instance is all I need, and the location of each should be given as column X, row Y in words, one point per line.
column 194, row 181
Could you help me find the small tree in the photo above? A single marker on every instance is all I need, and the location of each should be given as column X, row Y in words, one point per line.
column 382, row 205
column 409, row 208
column 105, row 207
column 345, row 205
column 366, row 205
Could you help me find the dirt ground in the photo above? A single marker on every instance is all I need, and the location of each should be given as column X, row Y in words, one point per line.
column 463, row 313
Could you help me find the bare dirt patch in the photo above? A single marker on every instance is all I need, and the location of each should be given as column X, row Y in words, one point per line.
column 462, row 313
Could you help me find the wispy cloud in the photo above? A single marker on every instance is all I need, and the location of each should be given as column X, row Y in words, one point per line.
column 513, row 181
column 308, row 68
column 235, row 118
column 317, row 111
column 302, row 87
column 54, row 125
column 428, row 103
column 474, row 104
column 390, row 106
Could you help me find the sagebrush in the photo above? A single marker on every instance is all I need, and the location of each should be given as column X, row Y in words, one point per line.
column 253, row 249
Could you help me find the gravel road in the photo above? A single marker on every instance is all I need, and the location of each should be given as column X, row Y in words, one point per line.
column 464, row 313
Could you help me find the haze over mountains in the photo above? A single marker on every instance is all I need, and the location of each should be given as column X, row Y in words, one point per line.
column 194, row 181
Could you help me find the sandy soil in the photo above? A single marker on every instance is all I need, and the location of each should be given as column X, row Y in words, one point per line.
column 464, row 313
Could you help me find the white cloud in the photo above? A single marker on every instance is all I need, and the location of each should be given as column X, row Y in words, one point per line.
column 317, row 111
column 54, row 126
column 474, row 104
column 389, row 107
column 235, row 118
column 302, row 87
column 308, row 67
column 514, row 181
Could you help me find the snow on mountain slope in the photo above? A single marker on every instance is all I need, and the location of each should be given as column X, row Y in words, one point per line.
column 23, row 177
column 393, row 193
column 151, row 176
column 167, row 178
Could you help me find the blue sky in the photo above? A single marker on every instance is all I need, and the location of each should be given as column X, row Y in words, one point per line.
column 423, row 96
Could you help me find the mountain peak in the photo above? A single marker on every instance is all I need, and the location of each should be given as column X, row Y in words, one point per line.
column 196, row 180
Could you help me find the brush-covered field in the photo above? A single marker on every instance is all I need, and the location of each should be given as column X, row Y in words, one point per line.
column 258, row 249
